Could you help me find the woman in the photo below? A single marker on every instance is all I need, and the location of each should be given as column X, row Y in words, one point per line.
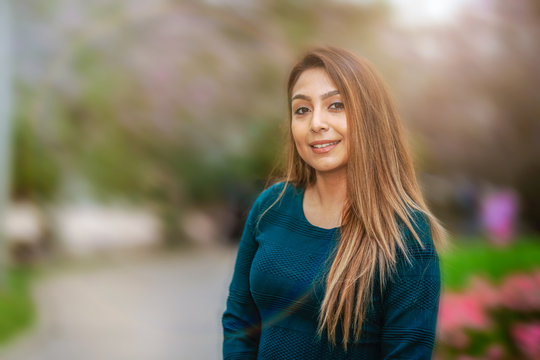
column 338, row 261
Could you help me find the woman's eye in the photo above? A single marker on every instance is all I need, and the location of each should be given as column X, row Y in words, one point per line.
column 301, row 110
column 337, row 106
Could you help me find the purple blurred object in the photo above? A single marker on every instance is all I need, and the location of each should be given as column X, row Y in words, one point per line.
column 498, row 216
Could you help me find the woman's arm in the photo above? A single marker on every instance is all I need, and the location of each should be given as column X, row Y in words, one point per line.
column 241, row 321
column 411, row 300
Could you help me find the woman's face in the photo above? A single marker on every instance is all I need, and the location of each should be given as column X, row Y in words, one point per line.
column 319, row 124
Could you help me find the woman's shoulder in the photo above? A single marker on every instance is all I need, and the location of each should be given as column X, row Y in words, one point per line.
column 272, row 193
column 420, row 224
column 420, row 256
column 273, row 190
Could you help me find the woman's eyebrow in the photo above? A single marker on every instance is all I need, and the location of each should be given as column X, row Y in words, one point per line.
column 300, row 96
column 323, row 96
column 329, row 94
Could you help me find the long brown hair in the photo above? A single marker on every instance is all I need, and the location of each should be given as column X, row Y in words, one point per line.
column 381, row 188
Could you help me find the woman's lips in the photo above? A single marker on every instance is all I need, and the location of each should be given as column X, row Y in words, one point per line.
column 321, row 147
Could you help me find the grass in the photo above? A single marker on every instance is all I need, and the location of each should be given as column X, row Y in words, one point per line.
column 469, row 257
column 16, row 306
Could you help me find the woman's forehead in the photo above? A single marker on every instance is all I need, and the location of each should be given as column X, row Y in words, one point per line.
column 313, row 82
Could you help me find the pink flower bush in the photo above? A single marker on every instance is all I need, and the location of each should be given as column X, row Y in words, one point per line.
column 485, row 311
column 459, row 311
column 495, row 352
column 521, row 292
column 486, row 293
column 468, row 310
column 527, row 337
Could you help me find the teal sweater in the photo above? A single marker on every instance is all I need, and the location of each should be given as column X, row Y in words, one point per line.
column 278, row 286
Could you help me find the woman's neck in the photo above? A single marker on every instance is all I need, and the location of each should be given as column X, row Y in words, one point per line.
column 324, row 200
column 330, row 190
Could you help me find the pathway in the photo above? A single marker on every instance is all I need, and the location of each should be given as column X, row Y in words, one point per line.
column 159, row 308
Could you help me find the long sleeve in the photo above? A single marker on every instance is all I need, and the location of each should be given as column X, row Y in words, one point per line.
column 241, row 320
column 411, row 300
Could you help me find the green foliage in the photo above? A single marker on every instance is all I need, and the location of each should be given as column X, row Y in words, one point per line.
column 298, row 21
column 16, row 308
column 476, row 257
column 102, row 150
column 112, row 168
column 35, row 170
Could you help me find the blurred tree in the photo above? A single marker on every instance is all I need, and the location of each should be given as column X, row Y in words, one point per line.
column 478, row 102
column 36, row 174
column 172, row 102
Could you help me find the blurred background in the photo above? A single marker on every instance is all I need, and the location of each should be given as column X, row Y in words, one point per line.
column 136, row 134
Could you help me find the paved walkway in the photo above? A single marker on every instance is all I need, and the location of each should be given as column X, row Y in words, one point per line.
column 158, row 308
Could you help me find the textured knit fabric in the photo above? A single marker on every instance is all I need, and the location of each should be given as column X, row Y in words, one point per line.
column 278, row 286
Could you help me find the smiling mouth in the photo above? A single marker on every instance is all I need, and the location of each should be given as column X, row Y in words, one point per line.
column 323, row 145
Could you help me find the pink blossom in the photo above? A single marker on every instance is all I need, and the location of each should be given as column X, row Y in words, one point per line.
column 536, row 277
column 456, row 339
column 466, row 357
column 459, row 311
column 527, row 337
column 485, row 292
column 521, row 293
column 495, row 352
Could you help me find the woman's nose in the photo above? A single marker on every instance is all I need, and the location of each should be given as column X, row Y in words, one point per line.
column 318, row 121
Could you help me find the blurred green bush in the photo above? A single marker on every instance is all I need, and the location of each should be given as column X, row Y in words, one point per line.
column 17, row 311
column 469, row 257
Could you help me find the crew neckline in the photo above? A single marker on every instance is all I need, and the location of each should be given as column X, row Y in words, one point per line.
column 303, row 215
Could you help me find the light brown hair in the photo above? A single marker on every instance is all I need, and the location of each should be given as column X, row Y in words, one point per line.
column 381, row 188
